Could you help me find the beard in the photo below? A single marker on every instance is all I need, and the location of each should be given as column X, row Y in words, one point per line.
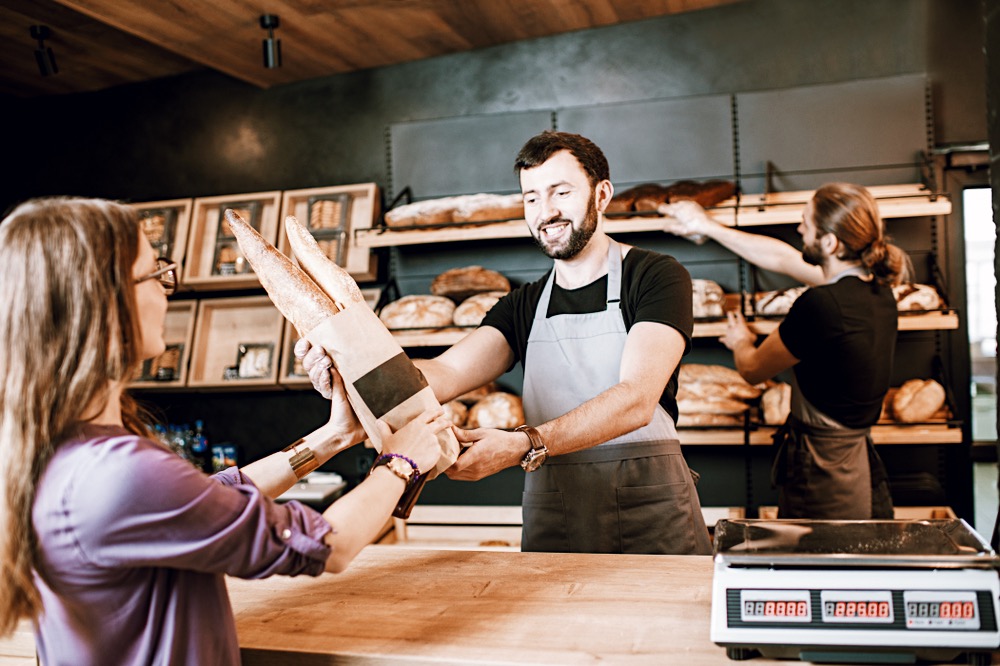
column 578, row 237
column 812, row 254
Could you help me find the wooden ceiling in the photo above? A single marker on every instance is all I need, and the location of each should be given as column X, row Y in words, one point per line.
column 102, row 43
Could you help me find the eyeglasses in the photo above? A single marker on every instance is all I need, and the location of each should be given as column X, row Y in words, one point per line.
column 166, row 273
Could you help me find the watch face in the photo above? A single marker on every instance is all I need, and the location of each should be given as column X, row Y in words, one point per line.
column 401, row 468
column 533, row 460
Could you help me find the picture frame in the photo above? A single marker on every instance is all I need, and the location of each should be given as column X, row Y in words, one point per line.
column 254, row 360
column 228, row 259
column 159, row 225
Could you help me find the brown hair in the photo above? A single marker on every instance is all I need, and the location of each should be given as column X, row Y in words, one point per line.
column 541, row 147
column 850, row 213
column 68, row 331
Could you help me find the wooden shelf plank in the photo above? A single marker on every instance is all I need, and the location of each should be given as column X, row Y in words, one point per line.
column 926, row 321
column 934, row 433
column 895, row 201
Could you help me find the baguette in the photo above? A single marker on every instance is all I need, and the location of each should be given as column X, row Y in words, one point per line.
column 295, row 295
column 331, row 278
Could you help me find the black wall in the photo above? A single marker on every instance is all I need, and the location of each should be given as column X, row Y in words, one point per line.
column 205, row 134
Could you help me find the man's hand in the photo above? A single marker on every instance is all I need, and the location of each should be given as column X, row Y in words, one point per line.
column 738, row 333
column 342, row 415
column 317, row 365
column 487, row 451
column 686, row 219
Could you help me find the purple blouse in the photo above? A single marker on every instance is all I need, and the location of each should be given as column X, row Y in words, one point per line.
column 133, row 544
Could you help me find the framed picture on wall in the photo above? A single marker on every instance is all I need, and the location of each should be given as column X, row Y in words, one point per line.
column 254, row 360
column 229, row 258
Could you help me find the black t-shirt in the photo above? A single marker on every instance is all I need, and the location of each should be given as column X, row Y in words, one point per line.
column 655, row 287
column 844, row 335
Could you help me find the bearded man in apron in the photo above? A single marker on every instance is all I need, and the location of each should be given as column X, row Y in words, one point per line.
column 838, row 338
column 600, row 338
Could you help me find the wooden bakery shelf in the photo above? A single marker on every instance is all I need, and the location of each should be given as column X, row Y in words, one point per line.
column 724, row 436
column 932, row 433
column 169, row 369
column 895, row 201
column 214, row 259
column 166, row 224
column 237, row 343
column 937, row 320
column 332, row 214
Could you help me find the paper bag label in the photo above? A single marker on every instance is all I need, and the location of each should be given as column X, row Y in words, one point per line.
column 389, row 384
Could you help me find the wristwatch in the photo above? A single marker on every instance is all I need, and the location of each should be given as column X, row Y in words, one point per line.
column 537, row 454
column 397, row 466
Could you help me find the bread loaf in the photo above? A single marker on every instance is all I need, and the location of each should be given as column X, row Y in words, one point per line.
column 776, row 403
column 475, row 395
column 496, row 410
column 459, row 209
column 456, row 412
column 917, row 400
column 734, row 390
column 471, row 311
column 687, row 420
column 419, row 311
column 777, row 303
column 295, row 295
column 690, row 404
column 707, row 299
column 911, row 296
column 460, row 283
column 331, row 278
column 718, row 374
column 649, row 196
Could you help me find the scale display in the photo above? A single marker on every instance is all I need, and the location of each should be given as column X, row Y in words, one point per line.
column 870, row 591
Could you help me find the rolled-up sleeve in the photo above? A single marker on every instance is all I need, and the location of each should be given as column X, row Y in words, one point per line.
column 155, row 509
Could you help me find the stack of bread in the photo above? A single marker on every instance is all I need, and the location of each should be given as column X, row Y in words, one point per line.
column 486, row 407
column 459, row 297
column 457, row 210
column 915, row 401
column 713, row 395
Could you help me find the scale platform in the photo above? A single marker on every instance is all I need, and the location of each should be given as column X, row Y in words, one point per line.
column 865, row 591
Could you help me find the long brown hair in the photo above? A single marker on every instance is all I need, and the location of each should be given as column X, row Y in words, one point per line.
column 68, row 331
column 850, row 213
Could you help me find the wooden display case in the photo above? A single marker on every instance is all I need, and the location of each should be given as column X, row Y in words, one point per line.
column 291, row 374
column 214, row 259
column 166, row 224
column 237, row 343
column 332, row 214
column 169, row 369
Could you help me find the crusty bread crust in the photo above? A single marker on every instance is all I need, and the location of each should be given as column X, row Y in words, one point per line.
column 331, row 278
column 293, row 292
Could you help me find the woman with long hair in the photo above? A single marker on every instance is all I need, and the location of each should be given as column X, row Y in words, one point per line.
column 114, row 546
column 838, row 338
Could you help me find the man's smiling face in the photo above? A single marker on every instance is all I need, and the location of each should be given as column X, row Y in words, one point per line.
column 559, row 205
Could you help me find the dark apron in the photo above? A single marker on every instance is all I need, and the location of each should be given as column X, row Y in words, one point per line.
column 829, row 473
column 633, row 494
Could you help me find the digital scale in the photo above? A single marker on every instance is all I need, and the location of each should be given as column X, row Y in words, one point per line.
column 867, row 591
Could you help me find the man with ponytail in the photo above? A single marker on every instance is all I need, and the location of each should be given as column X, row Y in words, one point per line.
column 838, row 339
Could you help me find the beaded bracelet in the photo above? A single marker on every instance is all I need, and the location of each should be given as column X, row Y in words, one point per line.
column 387, row 456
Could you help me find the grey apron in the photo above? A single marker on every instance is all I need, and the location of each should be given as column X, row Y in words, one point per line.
column 632, row 494
column 825, row 470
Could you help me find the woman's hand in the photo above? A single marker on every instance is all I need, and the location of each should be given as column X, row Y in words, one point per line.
column 417, row 440
column 317, row 365
column 738, row 333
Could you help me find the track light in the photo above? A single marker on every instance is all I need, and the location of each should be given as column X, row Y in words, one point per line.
column 43, row 54
column 272, row 46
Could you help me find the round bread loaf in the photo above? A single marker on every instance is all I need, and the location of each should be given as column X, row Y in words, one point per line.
column 419, row 311
column 496, row 410
column 471, row 311
column 707, row 299
column 460, row 283
column 917, row 400
column 912, row 296
column 455, row 412
column 475, row 395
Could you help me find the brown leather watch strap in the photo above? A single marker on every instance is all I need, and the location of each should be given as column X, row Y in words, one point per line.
column 533, row 436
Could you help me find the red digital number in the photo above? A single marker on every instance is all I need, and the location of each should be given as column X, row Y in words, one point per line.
column 779, row 608
column 803, row 609
column 838, row 610
column 946, row 610
column 968, row 610
column 883, row 609
column 852, row 609
column 769, row 609
column 862, row 609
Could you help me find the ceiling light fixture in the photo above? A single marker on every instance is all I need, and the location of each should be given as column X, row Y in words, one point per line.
column 43, row 54
column 272, row 46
